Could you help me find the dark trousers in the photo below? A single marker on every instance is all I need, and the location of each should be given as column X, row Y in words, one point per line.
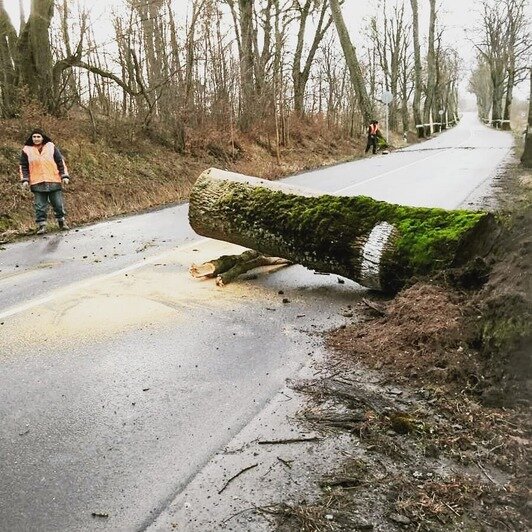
column 55, row 198
column 372, row 141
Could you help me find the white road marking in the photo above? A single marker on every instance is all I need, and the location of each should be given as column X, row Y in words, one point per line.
column 405, row 166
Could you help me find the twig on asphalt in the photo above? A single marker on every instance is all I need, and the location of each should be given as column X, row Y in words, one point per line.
column 268, row 471
column 286, row 395
column 285, row 462
column 238, row 513
column 237, row 475
column 288, row 440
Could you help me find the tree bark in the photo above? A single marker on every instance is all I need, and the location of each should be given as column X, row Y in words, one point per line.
column 417, row 70
column 246, row 64
column 35, row 53
column 428, row 108
column 526, row 158
column 357, row 80
column 8, row 72
column 374, row 243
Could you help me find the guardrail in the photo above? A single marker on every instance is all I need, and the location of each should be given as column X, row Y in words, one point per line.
column 496, row 121
column 448, row 123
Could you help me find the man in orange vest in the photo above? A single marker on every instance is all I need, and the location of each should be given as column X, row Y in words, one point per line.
column 373, row 133
column 44, row 172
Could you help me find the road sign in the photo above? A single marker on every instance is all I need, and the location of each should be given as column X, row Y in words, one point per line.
column 387, row 97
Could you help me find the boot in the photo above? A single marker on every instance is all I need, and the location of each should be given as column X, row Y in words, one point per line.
column 63, row 226
column 41, row 229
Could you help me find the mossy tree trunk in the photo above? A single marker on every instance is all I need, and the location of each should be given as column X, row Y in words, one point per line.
column 377, row 244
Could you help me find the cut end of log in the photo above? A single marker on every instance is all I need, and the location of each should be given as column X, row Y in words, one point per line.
column 377, row 243
column 202, row 270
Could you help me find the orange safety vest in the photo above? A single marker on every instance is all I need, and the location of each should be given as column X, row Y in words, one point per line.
column 43, row 168
column 373, row 128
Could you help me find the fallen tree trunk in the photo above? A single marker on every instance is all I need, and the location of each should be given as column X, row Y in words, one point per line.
column 377, row 244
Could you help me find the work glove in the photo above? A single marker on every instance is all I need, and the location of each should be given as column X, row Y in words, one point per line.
column 25, row 185
column 65, row 180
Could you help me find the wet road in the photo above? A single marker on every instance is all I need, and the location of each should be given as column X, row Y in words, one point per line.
column 120, row 376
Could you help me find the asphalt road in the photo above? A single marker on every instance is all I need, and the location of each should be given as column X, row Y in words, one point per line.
column 121, row 376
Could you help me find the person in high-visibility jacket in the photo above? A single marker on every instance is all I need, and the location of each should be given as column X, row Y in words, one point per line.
column 43, row 170
column 373, row 133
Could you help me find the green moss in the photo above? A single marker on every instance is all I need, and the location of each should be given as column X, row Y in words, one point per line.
column 507, row 323
column 329, row 225
column 505, row 333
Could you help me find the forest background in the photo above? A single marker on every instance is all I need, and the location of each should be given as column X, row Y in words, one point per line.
column 142, row 95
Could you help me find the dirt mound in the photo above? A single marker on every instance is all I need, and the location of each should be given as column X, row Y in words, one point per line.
column 443, row 362
column 421, row 338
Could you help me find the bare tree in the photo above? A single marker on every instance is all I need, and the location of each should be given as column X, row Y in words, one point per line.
column 355, row 71
column 518, row 42
column 480, row 85
column 526, row 158
column 503, row 44
column 390, row 38
column 35, row 54
column 418, row 84
column 26, row 60
column 300, row 75
column 447, row 76
column 430, row 88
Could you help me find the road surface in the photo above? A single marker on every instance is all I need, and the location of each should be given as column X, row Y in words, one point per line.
column 121, row 376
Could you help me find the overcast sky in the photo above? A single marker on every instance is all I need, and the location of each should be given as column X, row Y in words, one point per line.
column 459, row 17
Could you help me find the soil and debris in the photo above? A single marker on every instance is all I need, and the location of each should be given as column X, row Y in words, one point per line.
column 416, row 417
column 434, row 387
